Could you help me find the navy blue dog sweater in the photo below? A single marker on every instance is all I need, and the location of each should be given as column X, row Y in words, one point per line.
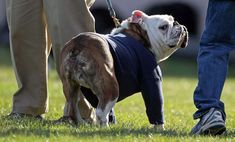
column 136, row 71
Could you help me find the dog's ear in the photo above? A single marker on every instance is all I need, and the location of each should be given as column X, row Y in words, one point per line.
column 137, row 17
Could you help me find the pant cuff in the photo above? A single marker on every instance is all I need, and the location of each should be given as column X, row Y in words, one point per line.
column 29, row 110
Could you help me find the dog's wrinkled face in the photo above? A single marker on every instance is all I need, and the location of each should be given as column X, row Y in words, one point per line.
column 165, row 34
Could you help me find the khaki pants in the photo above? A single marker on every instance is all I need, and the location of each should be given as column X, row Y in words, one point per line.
column 34, row 26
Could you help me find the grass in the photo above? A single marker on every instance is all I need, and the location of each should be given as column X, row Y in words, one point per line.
column 178, row 85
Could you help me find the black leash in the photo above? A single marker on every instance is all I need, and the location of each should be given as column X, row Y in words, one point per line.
column 113, row 14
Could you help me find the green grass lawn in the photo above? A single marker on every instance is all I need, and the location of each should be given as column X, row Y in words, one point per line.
column 179, row 81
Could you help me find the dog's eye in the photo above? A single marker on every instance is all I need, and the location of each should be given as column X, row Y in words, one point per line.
column 163, row 27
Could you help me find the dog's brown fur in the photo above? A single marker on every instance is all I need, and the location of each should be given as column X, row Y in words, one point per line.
column 86, row 61
column 138, row 33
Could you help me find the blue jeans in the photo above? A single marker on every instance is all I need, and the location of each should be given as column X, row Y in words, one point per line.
column 217, row 41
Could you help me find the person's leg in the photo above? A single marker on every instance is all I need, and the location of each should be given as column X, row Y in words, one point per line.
column 66, row 19
column 216, row 43
column 27, row 42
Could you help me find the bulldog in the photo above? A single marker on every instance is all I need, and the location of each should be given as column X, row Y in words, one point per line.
column 119, row 64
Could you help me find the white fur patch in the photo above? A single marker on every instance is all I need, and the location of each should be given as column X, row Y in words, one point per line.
column 102, row 115
column 124, row 25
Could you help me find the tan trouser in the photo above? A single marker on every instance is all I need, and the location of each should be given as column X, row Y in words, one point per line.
column 34, row 26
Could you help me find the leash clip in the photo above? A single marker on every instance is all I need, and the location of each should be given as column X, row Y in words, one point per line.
column 113, row 14
column 116, row 22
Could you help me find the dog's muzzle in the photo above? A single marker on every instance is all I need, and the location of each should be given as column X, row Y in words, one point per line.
column 185, row 37
column 180, row 34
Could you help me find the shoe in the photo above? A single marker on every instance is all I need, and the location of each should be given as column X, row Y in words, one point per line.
column 22, row 115
column 159, row 127
column 112, row 117
column 212, row 123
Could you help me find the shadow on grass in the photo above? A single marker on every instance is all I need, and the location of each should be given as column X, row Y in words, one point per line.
column 90, row 133
column 47, row 128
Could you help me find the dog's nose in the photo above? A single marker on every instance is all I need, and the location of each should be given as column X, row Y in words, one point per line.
column 175, row 23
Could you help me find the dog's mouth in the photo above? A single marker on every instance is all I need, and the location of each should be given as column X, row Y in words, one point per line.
column 172, row 46
column 178, row 38
column 185, row 40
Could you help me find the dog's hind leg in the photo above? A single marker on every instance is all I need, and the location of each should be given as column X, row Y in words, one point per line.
column 73, row 95
column 102, row 112
column 77, row 112
column 107, row 95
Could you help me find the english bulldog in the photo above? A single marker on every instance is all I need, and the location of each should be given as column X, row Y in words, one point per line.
column 120, row 64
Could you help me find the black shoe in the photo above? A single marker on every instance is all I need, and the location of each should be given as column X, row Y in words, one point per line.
column 22, row 115
column 112, row 117
column 212, row 123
